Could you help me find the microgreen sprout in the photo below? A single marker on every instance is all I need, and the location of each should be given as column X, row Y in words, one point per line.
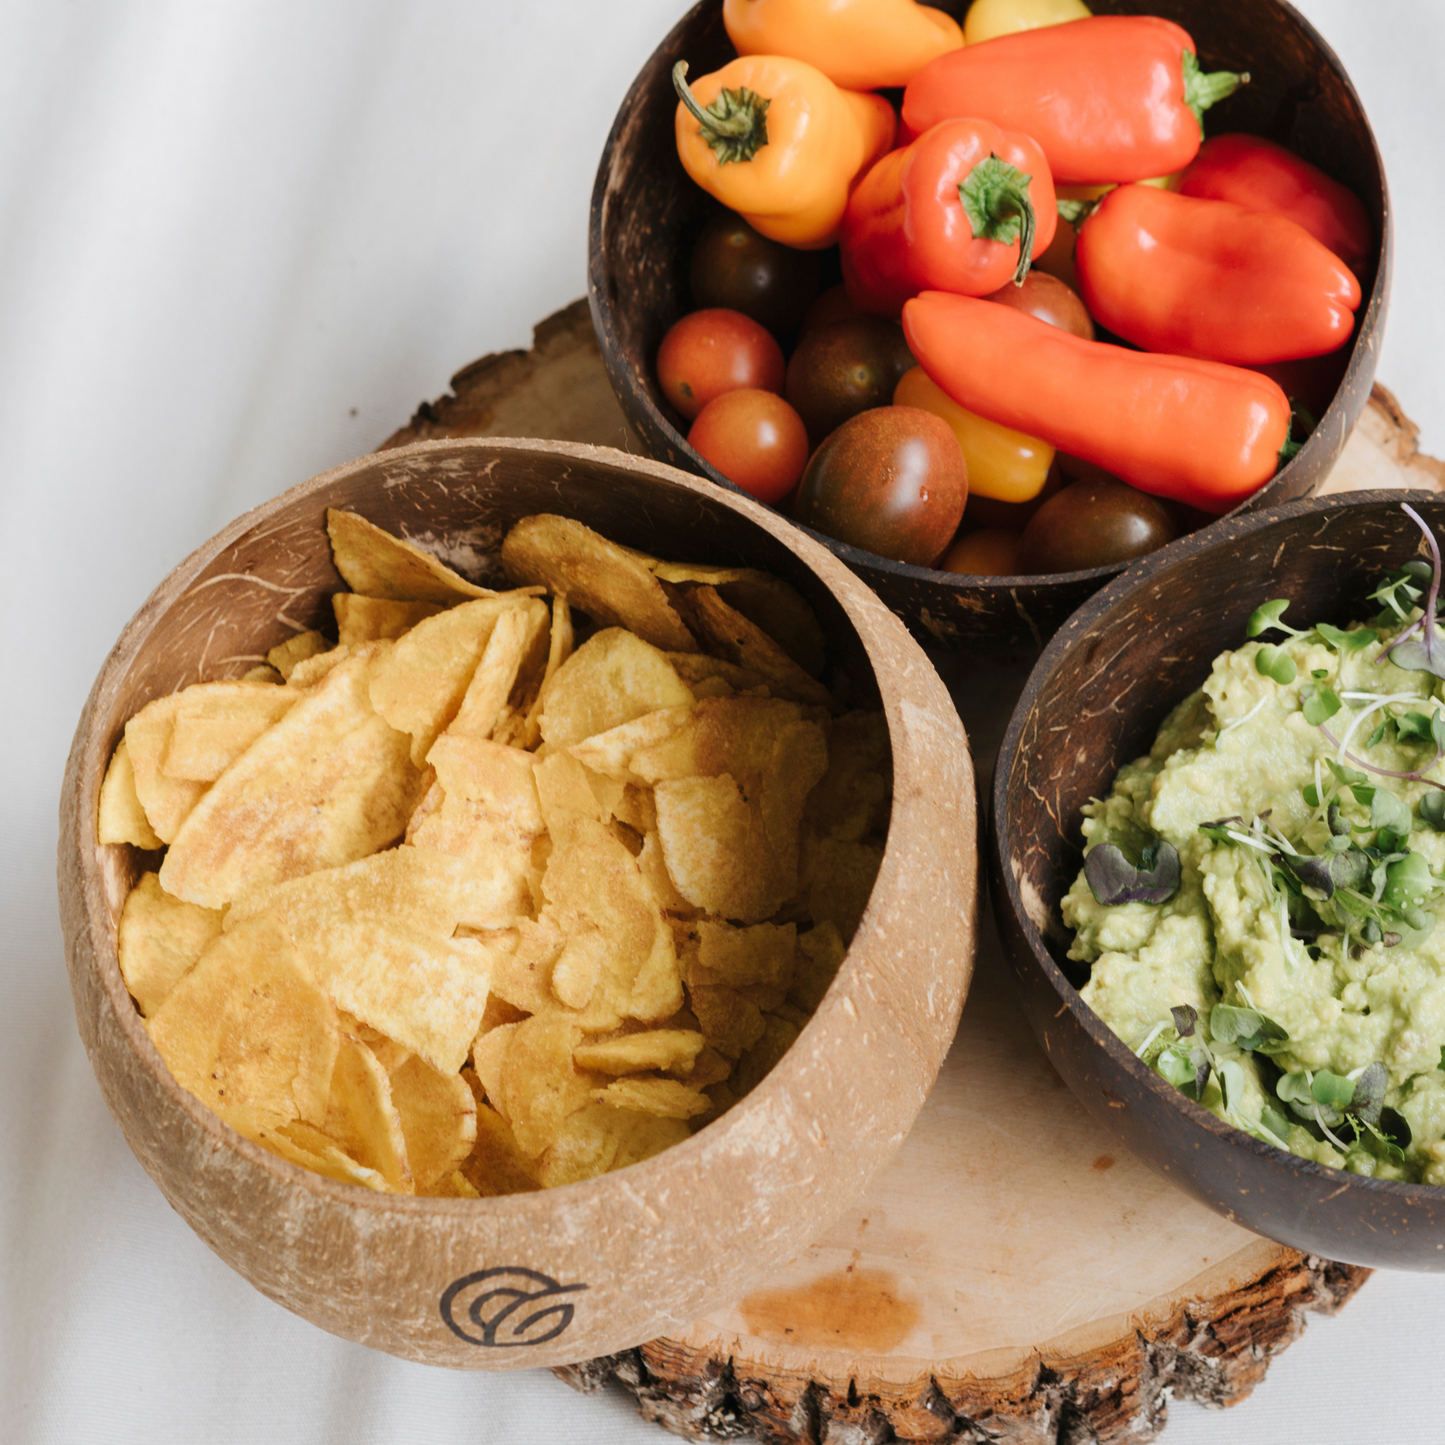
column 1428, row 653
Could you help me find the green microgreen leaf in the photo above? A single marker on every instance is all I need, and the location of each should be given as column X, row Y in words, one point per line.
column 1344, row 774
column 1432, row 810
column 1272, row 663
column 1387, row 811
column 1342, row 641
column 1275, row 1122
column 1246, row 1028
column 1332, row 1090
column 1268, row 615
column 1321, row 705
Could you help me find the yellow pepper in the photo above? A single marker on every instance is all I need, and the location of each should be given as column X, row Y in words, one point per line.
column 989, row 18
column 1002, row 463
column 777, row 141
column 858, row 44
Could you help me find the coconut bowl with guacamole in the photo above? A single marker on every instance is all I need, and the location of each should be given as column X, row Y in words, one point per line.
column 1219, row 870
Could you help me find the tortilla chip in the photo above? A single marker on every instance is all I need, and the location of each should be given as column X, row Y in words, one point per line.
column 731, row 1023
column 540, row 1086
column 666, row 1098
column 329, row 783
column 248, row 1032
column 841, row 882
column 371, row 619
column 285, row 656
column 438, row 1119
column 766, row 601
column 362, row 1118
column 496, row 1165
column 599, row 1138
column 212, row 729
column 120, row 817
column 606, row 581
column 511, row 651
column 667, row 1050
column 742, row 957
column 611, row 679
column 725, row 632
column 376, row 564
column 159, row 939
column 419, row 685
column 611, row 752
column 820, row 952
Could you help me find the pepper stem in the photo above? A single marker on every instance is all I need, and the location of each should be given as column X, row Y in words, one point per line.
column 996, row 199
column 734, row 126
column 1205, row 88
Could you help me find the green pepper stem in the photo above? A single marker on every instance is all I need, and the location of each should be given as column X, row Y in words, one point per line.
column 734, row 126
column 996, row 200
column 1205, row 88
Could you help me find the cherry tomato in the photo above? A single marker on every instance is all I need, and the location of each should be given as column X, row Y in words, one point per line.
column 988, row 18
column 843, row 369
column 988, row 552
column 833, row 305
column 713, row 351
column 755, row 439
column 1092, row 524
column 735, row 267
column 1049, row 299
column 988, row 512
column 891, row 480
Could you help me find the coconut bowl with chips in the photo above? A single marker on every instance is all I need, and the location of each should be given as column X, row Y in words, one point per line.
column 588, row 1267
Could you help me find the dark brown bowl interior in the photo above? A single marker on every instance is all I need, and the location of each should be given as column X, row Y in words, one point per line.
column 1094, row 702
column 646, row 211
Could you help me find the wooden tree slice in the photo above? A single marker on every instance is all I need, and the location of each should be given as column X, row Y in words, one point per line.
column 1012, row 1275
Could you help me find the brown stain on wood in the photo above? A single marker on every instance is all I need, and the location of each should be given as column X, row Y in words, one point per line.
column 1103, row 1162
column 857, row 1309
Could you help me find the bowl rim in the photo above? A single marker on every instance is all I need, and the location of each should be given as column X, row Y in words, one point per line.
column 1370, row 317
column 89, row 757
column 1077, row 627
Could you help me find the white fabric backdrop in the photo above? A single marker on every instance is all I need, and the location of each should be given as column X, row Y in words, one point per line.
column 239, row 240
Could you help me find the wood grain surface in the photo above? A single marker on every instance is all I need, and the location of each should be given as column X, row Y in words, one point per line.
column 1012, row 1275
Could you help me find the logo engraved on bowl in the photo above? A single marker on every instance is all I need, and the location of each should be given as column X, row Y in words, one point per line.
column 509, row 1306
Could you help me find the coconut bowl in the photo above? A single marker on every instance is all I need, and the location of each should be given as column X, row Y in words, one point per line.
column 1093, row 703
column 646, row 213
column 591, row 1268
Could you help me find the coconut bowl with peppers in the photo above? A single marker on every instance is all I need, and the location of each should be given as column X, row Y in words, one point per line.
column 647, row 216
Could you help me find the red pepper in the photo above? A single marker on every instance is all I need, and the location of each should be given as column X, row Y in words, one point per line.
column 1205, row 434
column 1110, row 98
column 965, row 208
column 1210, row 279
column 1261, row 176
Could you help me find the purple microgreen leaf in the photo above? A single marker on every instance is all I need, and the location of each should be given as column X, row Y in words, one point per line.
column 1113, row 879
column 1369, row 1095
column 1186, row 1016
column 1325, row 874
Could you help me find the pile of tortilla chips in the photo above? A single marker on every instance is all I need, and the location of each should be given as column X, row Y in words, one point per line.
column 488, row 895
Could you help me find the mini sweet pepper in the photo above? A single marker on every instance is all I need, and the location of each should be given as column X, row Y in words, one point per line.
column 778, row 142
column 858, row 44
column 966, row 207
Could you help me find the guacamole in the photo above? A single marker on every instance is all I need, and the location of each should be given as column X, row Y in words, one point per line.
column 1293, row 980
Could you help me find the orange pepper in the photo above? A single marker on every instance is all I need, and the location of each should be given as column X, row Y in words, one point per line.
column 778, row 142
column 858, row 44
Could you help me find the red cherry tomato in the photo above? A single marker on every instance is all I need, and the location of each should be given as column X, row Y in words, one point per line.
column 755, row 439
column 713, row 351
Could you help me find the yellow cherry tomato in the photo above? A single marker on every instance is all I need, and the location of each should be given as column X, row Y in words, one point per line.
column 988, row 18
column 989, row 552
column 1002, row 463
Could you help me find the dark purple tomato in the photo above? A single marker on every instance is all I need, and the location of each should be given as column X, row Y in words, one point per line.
column 735, row 267
column 891, row 480
column 833, row 305
column 1093, row 523
column 1047, row 298
column 840, row 370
